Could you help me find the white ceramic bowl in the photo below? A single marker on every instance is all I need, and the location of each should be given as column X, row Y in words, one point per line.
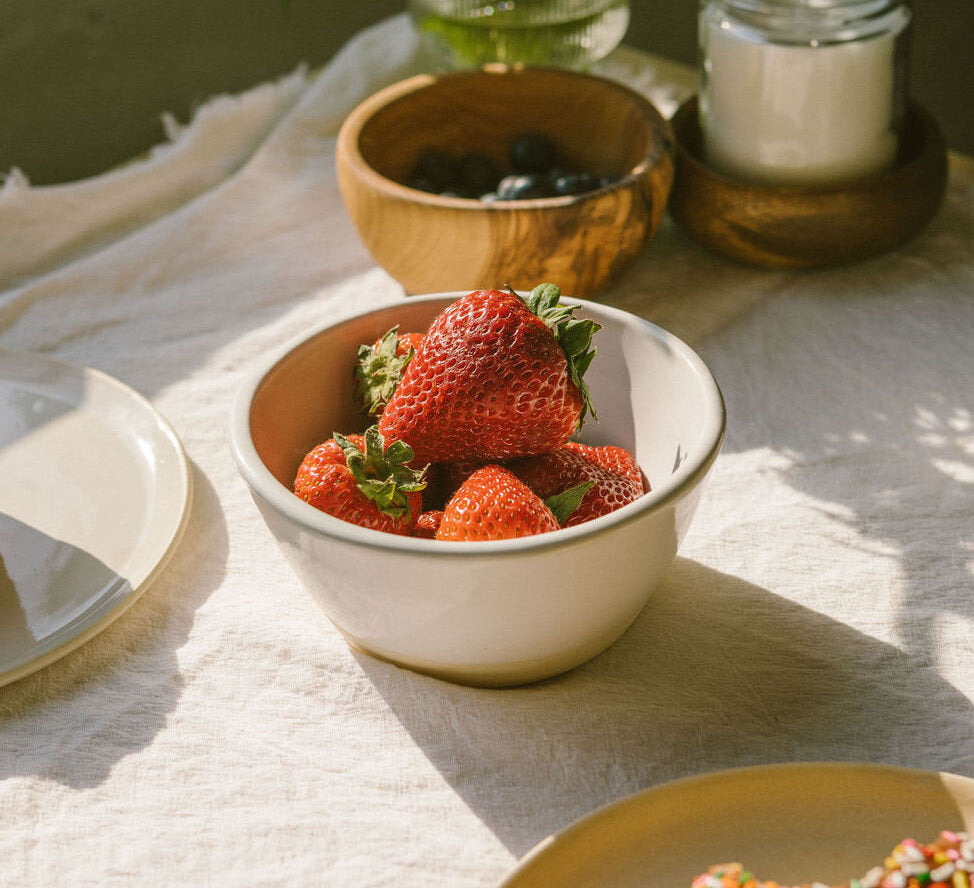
column 489, row 613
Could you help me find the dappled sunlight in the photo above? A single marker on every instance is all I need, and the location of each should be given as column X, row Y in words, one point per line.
column 950, row 438
column 858, row 414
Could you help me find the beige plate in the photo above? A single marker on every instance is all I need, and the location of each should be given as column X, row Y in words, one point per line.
column 787, row 823
column 94, row 495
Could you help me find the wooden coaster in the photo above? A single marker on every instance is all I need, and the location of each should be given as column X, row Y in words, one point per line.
column 801, row 226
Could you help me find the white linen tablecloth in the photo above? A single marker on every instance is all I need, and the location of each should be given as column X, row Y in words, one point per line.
column 221, row 733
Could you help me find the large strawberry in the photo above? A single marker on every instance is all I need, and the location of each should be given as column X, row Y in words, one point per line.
column 551, row 473
column 358, row 479
column 495, row 376
column 380, row 366
column 493, row 504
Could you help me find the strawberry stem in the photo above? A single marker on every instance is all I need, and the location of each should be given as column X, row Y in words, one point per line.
column 574, row 335
column 379, row 370
column 382, row 473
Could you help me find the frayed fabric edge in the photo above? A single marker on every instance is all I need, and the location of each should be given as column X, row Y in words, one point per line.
column 50, row 225
column 15, row 180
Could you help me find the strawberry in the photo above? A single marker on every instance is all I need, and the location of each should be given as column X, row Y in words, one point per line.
column 449, row 476
column 405, row 343
column 428, row 523
column 615, row 459
column 358, row 479
column 551, row 473
column 380, row 367
column 492, row 504
column 495, row 376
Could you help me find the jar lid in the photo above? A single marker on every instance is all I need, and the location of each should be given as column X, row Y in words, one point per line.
column 808, row 22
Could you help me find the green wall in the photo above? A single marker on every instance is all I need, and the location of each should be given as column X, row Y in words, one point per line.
column 83, row 82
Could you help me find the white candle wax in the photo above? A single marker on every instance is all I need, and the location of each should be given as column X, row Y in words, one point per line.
column 781, row 114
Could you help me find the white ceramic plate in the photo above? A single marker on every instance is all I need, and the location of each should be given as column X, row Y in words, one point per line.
column 94, row 495
column 787, row 823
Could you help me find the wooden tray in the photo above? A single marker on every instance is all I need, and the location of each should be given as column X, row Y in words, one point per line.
column 801, row 226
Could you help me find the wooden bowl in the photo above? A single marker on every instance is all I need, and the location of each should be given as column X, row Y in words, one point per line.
column 431, row 243
column 801, row 226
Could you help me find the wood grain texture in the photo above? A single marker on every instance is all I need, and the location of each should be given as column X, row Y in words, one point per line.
column 803, row 227
column 431, row 243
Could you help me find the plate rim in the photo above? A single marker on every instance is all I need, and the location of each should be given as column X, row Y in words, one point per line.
column 91, row 624
column 551, row 844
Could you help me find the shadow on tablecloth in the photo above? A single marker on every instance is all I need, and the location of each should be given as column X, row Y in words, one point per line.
column 715, row 673
column 74, row 720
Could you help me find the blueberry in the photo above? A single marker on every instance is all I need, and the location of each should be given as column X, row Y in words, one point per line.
column 576, row 183
column 523, row 187
column 532, row 153
column 478, row 173
column 420, row 184
column 437, row 168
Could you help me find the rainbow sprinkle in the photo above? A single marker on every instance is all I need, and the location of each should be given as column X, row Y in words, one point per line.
column 947, row 862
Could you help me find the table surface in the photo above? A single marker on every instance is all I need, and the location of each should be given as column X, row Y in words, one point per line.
column 221, row 732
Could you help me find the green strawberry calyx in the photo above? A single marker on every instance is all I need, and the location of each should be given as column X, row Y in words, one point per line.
column 382, row 473
column 574, row 335
column 378, row 371
column 565, row 503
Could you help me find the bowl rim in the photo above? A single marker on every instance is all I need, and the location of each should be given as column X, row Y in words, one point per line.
column 266, row 486
column 348, row 138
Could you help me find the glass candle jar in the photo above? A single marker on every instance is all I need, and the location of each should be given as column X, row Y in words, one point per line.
column 560, row 33
column 803, row 92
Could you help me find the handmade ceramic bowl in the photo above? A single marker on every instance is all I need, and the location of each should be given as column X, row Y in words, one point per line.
column 486, row 613
column 431, row 243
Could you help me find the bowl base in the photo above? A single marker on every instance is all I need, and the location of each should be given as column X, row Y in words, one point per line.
column 497, row 675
